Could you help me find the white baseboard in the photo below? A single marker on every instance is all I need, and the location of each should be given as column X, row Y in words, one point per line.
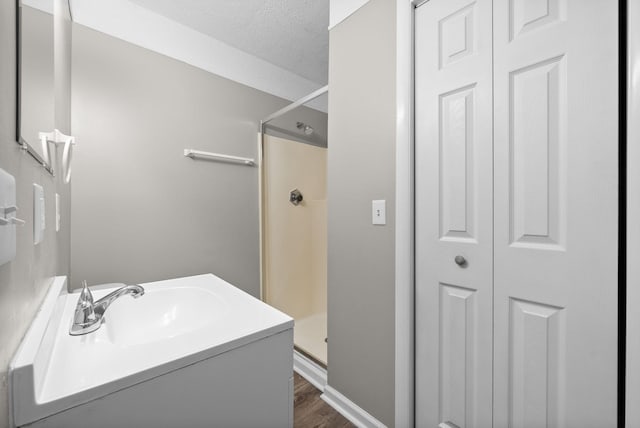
column 349, row 409
column 317, row 376
column 308, row 369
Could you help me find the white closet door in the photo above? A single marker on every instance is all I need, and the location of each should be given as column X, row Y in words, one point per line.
column 454, row 214
column 556, row 166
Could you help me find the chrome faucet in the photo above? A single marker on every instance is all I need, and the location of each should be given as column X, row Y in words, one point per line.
column 88, row 316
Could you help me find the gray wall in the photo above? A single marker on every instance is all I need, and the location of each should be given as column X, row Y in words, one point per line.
column 62, row 70
column 361, row 167
column 141, row 210
column 24, row 281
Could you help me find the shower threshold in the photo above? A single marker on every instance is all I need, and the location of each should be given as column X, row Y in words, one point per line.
column 309, row 356
column 309, row 337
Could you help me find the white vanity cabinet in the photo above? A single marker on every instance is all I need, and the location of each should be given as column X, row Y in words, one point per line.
column 230, row 367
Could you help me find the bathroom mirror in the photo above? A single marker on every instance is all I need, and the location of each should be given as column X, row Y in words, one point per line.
column 36, row 89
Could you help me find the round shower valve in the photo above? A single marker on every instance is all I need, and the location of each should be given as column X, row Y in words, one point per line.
column 295, row 197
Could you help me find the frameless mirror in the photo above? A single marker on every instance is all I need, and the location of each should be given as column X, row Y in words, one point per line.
column 36, row 88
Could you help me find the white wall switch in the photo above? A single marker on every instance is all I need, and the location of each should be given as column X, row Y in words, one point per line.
column 378, row 212
column 38, row 214
column 57, row 212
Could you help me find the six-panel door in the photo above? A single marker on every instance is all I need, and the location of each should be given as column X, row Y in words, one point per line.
column 516, row 171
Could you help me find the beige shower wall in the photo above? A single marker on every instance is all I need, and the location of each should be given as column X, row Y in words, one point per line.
column 295, row 236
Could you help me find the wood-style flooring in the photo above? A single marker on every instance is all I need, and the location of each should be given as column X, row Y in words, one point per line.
column 310, row 411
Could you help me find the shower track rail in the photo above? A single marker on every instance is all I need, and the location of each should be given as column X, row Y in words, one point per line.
column 302, row 101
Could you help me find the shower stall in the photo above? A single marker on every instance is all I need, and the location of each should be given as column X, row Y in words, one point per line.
column 293, row 193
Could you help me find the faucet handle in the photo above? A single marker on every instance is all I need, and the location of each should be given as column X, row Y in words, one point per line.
column 85, row 295
column 84, row 308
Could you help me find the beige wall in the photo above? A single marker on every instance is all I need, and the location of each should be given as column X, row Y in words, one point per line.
column 295, row 236
column 24, row 281
column 361, row 167
column 141, row 210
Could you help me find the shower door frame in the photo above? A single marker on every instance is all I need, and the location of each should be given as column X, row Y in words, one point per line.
column 314, row 371
column 261, row 179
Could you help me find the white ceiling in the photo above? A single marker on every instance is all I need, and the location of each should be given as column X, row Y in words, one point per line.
column 291, row 34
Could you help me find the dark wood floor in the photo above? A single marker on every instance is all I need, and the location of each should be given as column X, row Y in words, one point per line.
column 310, row 411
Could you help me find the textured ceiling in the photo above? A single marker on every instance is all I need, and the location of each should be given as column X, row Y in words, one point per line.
column 291, row 34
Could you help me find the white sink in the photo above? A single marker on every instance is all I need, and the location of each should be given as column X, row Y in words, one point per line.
column 163, row 314
column 175, row 324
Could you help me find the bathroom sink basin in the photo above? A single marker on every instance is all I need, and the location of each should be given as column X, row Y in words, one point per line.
column 163, row 313
column 175, row 324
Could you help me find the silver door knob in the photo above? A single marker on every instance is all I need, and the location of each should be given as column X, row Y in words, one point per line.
column 460, row 260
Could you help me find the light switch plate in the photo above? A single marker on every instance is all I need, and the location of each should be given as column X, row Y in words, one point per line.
column 57, row 212
column 38, row 214
column 378, row 212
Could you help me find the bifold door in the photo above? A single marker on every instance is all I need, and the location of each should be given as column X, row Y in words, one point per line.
column 516, row 213
column 454, row 253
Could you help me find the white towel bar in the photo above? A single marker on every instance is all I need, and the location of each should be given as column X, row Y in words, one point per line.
column 193, row 154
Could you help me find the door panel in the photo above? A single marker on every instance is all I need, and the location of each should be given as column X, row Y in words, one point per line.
column 536, row 187
column 458, row 308
column 516, row 171
column 555, row 199
column 537, row 364
column 456, row 163
column 453, row 212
